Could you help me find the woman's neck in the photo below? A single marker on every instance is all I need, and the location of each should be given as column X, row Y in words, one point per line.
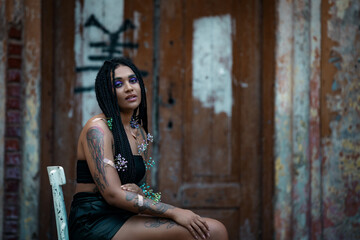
column 126, row 118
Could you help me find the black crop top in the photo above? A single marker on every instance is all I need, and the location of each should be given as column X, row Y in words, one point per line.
column 83, row 174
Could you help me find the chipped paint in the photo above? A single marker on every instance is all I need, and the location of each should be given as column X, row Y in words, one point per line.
column 29, row 199
column 212, row 63
column 283, row 154
column 341, row 149
column 323, row 199
column 111, row 15
column 314, row 122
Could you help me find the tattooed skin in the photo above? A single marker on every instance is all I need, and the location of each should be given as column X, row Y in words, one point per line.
column 148, row 205
column 157, row 222
column 95, row 141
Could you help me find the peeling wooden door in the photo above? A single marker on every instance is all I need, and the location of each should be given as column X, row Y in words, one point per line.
column 210, row 108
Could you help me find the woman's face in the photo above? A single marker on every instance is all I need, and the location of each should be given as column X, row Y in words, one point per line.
column 128, row 89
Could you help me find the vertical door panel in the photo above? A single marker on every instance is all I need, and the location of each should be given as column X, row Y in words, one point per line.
column 210, row 110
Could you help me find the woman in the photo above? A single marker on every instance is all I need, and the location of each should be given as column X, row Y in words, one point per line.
column 111, row 151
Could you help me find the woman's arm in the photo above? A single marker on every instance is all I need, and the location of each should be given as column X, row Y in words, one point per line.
column 97, row 148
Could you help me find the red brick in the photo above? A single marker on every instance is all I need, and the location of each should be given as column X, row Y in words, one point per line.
column 11, row 226
column 14, row 33
column 11, row 198
column 13, row 131
column 13, row 103
column 14, row 63
column 12, row 145
column 12, row 158
column 14, row 49
column 12, row 172
column 14, row 76
column 12, row 186
column 11, row 212
column 13, row 90
column 13, row 117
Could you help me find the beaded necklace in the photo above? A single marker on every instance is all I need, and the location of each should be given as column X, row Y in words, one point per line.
column 121, row 163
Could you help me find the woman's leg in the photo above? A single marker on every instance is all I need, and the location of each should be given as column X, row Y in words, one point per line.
column 142, row 227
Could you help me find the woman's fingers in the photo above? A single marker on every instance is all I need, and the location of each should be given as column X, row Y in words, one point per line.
column 128, row 187
column 193, row 232
column 204, row 222
column 197, row 230
column 131, row 187
column 202, row 227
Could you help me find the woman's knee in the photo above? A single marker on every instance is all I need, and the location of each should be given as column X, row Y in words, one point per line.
column 217, row 229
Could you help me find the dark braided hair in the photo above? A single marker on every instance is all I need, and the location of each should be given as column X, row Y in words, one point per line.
column 107, row 100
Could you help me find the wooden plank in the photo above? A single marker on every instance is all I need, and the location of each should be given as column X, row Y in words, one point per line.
column 47, row 228
column 214, row 195
column 248, row 79
column 67, row 124
column 141, row 14
column 268, row 90
column 171, row 98
column 208, row 131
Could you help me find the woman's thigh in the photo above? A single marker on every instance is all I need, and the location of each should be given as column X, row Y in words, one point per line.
column 142, row 227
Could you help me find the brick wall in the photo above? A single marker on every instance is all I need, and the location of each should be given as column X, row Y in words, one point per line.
column 13, row 111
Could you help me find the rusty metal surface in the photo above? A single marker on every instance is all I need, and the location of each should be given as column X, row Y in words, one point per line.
column 283, row 108
column 317, row 120
column 341, row 143
column 29, row 197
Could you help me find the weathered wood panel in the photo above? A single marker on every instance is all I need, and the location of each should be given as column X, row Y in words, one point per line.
column 267, row 119
column 47, row 228
column 171, row 99
column 29, row 196
column 60, row 114
column 248, row 75
column 141, row 14
column 206, row 152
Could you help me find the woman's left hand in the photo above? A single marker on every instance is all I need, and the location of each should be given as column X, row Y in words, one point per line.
column 131, row 187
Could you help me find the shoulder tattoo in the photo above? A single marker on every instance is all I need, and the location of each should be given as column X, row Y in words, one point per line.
column 95, row 142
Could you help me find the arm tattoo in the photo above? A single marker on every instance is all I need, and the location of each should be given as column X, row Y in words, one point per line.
column 148, row 205
column 95, row 141
column 157, row 222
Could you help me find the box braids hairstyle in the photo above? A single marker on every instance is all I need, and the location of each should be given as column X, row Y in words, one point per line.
column 107, row 100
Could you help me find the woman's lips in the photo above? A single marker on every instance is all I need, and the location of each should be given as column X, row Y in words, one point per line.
column 131, row 98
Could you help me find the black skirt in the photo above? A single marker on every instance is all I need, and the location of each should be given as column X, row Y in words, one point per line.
column 92, row 218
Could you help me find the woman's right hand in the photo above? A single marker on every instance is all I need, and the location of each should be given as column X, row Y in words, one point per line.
column 196, row 225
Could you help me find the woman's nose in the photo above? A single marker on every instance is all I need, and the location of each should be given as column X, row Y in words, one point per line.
column 128, row 86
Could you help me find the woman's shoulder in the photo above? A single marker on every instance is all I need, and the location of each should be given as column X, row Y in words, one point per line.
column 98, row 121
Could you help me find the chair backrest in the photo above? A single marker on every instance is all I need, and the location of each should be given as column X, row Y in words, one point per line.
column 57, row 178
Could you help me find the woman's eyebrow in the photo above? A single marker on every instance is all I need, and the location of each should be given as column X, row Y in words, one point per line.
column 120, row 78
column 117, row 78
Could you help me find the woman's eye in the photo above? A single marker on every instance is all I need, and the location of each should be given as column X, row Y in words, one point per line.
column 133, row 80
column 118, row 84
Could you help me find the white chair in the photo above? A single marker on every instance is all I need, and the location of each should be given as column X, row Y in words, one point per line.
column 57, row 178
